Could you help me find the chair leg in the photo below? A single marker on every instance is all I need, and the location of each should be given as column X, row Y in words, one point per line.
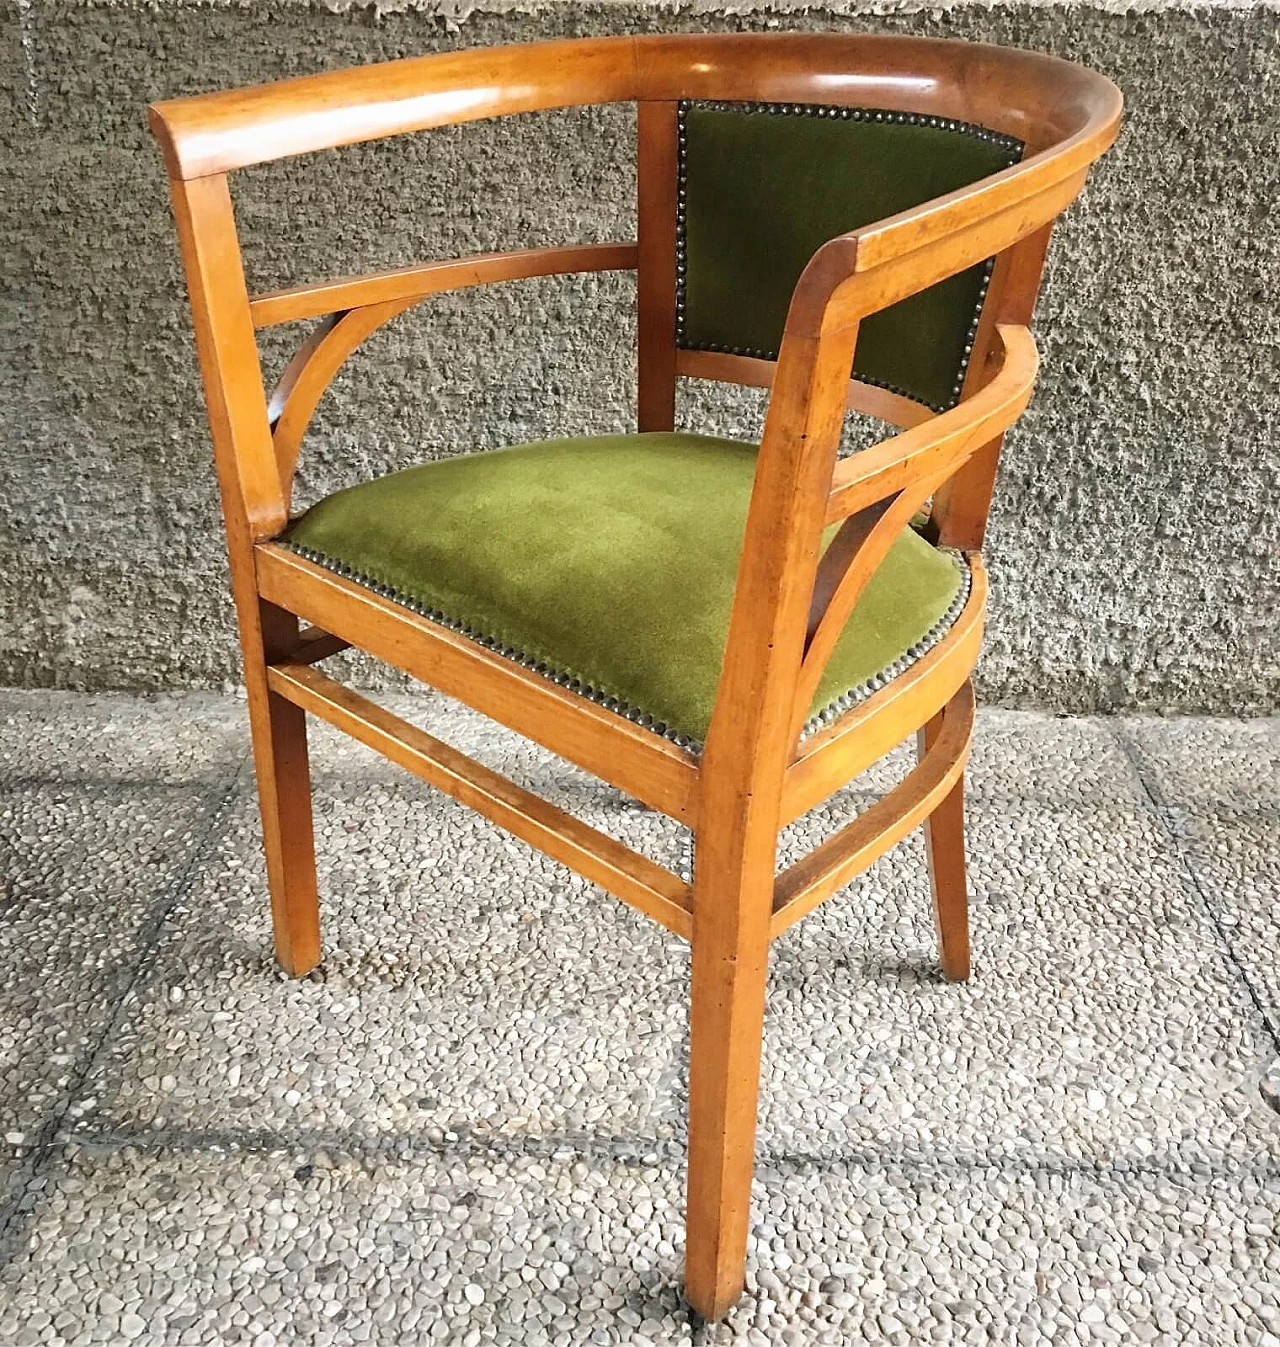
column 730, row 961
column 279, row 730
column 944, row 843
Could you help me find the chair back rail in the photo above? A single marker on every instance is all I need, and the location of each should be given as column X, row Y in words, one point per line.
column 432, row 278
column 754, row 372
column 1045, row 102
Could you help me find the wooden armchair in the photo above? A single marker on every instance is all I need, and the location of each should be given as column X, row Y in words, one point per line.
column 728, row 633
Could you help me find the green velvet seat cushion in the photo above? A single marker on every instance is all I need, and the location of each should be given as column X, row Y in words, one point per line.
column 610, row 559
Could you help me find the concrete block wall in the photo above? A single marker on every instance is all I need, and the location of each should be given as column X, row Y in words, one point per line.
column 1135, row 550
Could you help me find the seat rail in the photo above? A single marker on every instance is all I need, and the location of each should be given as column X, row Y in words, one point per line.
column 834, row 756
column 637, row 761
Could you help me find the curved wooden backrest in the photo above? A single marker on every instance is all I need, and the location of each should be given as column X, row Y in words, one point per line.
column 1060, row 112
column 1039, row 100
column 1063, row 115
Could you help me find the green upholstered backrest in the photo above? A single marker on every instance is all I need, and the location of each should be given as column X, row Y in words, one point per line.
column 764, row 185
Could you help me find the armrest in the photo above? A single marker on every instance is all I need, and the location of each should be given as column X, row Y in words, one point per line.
column 321, row 299
column 869, row 269
column 940, row 445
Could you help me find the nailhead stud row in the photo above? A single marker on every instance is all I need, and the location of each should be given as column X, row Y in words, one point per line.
column 1012, row 146
column 568, row 681
column 643, row 719
column 852, row 696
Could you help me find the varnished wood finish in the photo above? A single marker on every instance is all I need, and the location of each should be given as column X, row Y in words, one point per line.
column 434, row 278
column 656, row 127
column 748, row 746
column 836, row 754
column 1056, row 107
column 959, row 514
column 933, row 785
column 884, row 528
column 219, row 132
column 252, row 507
column 312, row 370
column 297, row 367
column 315, row 644
column 755, row 773
column 626, row 874
column 653, row 770
column 357, row 306
column 945, row 442
column 944, row 842
column 284, row 800
column 755, row 372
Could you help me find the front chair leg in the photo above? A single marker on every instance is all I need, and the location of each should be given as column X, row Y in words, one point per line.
column 279, row 730
column 730, row 960
column 724, row 1081
column 944, row 843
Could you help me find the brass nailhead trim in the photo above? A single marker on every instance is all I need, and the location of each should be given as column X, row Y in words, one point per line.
column 1010, row 144
column 847, row 700
column 820, row 720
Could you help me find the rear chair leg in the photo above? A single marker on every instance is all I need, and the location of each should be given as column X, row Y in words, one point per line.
column 279, row 730
column 944, row 843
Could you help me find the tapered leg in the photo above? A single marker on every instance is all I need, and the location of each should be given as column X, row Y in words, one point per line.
column 284, row 796
column 730, row 958
column 724, row 1080
column 944, row 842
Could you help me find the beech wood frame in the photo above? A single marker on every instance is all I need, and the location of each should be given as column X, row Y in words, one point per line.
column 755, row 773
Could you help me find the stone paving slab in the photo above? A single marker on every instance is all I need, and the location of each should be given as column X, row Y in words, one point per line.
column 469, row 984
column 66, row 736
column 1080, row 1035
column 468, row 1126
column 81, row 870
column 222, row 1248
column 283, row 1247
column 1194, row 761
column 1235, row 854
column 16, row 1174
column 1066, row 761
column 851, row 1253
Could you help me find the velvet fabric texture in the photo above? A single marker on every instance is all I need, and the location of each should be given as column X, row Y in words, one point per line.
column 610, row 558
column 766, row 186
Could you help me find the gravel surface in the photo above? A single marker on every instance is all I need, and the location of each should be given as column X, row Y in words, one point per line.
column 468, row 1126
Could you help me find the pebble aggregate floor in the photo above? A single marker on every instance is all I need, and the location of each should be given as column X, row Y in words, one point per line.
column 468, row 1126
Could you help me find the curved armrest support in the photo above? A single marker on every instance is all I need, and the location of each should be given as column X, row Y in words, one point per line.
column 355, row 307
column 875, row 493
column 939, row 446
